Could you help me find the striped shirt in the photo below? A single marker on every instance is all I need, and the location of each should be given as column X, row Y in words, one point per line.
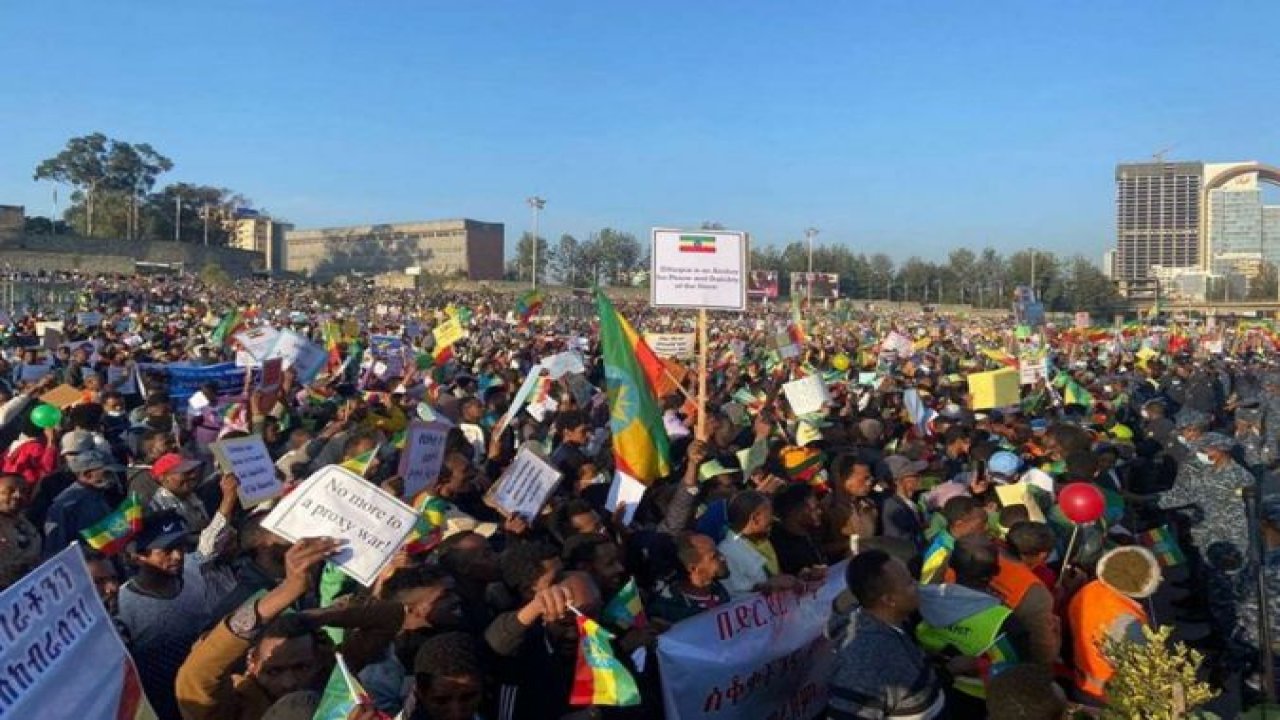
column 880, row 673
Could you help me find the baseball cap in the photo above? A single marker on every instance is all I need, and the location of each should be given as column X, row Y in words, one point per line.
column 1216, row 440
column 1004, row 463
column 90, row 460
column 171, row 463
column 901, row 466
column 75, row 442
column 161, row 531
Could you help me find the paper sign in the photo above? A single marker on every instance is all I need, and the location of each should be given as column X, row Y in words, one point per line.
column 699, row 269
column 447, row 333
column 247, row 458
column 116, row 373
column 56, row 623
column 522, row 395
column 258, row 341
column 807, row 395
column 672, row 345
column 629, row 492
column 995, row 389
column 900, row 344
column 562, row 364
column 525, row 486
column 1083, row 321
column 306, row 358
column 63, row 396
column 272, row 374
column 423, row 453
column 335, row 502
column 1032, row 367
column 1020, row 494
column 50, row 333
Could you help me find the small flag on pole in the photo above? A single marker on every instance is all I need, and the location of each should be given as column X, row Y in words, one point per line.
column 1162, row 543
column 360, row 463
column 114, row 532
column 342, row 694
column 625, row 610
column 598, row 677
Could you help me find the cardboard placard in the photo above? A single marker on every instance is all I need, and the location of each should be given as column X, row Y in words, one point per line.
column 247, row 458
column 272, row 374
column 524, row 487
column 63, row 396
column 562, row 364
column 995, row 389
column 337, row 503
column 258, row 341
column 699, row 269
column 447, row 333
column 423, row 453
column 672, row 345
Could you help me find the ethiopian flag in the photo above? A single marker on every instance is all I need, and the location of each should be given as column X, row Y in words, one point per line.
column 226, row 327
column 625, row 610
column 114, row 532
column 360, row 463
column 1164, row 545
column 428, row 529
column 631, row 370
column 598, row 677
column 342, row 694
column 937, row 558
column 528, row 305
column 697, row 243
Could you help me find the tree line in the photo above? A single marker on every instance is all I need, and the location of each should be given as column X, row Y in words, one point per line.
column 114, row 195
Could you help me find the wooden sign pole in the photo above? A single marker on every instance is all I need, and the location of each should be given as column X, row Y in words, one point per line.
column 702, row 374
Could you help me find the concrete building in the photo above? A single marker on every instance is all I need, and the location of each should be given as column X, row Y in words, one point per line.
column 13, row 221
column 1109, row 263
column 1157, row 217
column 466, row 248
column 259, row 233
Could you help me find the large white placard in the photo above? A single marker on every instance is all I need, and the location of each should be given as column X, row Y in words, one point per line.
column 562, row 364
column 764, row 656
column 422, row 456
column 60, row 651
column 672, row 345
column 305, row 357
column 522, row 395
column 258, row 341
column 247, row 458
column 699, row 269
column 525, row 486
column 807, row 395
column 337, row 503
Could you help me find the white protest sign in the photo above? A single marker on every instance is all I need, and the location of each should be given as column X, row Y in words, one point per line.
column 245, row 359
column 422, row 455
column 305, row 357
column 258, row 341
column 522, row 395
column 337, row 503
column 699, row 269
column 672, row 345
column 1032, row 367
column 562, row 364
column 247, row 458
column 1083, row 321
column 764, row 656
column 525, row 486
column 60, row 651
column 900, row 344
column 629, row 492
column 807, row 395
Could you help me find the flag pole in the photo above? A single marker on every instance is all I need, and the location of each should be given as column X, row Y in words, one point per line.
column 702, row 373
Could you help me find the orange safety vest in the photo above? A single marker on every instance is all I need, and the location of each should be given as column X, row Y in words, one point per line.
column 1013, row 581
column 1093, row 610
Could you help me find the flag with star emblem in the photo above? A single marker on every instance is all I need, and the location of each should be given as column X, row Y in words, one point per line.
column 640, row 446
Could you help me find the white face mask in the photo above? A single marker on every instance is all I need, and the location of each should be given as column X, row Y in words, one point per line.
column 1204, row 458
column 1182, row 440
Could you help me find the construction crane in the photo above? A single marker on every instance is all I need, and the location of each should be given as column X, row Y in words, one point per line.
column 1158, row 155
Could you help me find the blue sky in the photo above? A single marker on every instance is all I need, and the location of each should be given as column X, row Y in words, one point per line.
column 899, row 127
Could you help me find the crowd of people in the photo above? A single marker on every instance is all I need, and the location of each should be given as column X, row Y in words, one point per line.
column 968, row 593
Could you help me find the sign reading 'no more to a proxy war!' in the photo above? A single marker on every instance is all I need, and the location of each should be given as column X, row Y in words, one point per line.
column 704, row 269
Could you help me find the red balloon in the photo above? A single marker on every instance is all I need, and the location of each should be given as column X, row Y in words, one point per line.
column 1081, row 502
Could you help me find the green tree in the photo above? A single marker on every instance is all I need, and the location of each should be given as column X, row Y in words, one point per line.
column 82, row 165
column 40, row 225
column 881, row 273
column 566, row 262
column 1263, row 287
column 197, row 207
column 524, row 257
column 618, row 256
column 109, row 179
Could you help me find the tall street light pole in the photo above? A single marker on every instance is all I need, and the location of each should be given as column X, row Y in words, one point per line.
column 809, row 235
column 535, row 204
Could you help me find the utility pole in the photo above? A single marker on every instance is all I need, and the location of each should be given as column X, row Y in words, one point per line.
column 177, row 219
column 1033, row 274
column 809, row 235
column 205, row 211
column 535, row 204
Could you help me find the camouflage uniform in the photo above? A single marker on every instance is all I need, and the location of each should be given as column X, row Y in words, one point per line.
column 1220, row 533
